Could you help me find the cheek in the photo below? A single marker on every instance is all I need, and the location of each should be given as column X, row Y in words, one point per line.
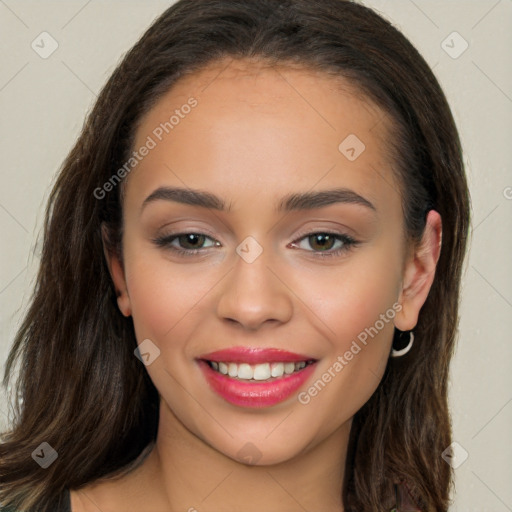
column 359, row 308
column 351, row 298
column 357, row 357
column 165, row 297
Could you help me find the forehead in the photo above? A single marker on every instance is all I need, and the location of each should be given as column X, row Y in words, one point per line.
column 262, row 129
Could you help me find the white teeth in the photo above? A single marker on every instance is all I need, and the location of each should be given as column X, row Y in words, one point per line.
column 277, row 369
column 232, row 370
column 261, row 371
column 245, row 371
column 289, row 368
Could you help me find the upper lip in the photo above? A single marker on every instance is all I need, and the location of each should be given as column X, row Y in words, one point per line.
column 255, row 355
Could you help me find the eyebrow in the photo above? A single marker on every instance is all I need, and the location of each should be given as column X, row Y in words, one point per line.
column 291, row 202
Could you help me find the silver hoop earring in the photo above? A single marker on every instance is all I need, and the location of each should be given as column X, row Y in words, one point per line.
column 403, row 351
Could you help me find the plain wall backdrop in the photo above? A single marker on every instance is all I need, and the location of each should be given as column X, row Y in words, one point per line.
column 44, row 99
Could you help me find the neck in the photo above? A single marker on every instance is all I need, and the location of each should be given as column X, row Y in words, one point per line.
column 193, row 476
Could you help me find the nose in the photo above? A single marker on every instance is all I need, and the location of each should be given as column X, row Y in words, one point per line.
column 254, row 295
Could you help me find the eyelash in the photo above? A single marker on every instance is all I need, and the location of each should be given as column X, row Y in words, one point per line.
column 348, row 243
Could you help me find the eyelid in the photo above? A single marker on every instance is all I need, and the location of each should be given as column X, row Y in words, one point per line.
column 329, row 231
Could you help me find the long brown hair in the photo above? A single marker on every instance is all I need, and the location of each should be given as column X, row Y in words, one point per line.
column 81, row 389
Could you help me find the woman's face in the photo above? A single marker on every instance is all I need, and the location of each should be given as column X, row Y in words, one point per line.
column 299, row 257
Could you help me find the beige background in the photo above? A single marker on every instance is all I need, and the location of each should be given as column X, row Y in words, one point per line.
column 44, row 101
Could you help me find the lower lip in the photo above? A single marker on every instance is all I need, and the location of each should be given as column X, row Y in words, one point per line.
column 255, row 394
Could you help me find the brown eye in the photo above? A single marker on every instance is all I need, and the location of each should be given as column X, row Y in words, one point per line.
column 321, row 241
column 191, row 240
column 326, row 244
column 186, row 244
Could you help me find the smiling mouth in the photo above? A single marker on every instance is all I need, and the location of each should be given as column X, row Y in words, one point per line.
column 256, row 377
column 262, row 372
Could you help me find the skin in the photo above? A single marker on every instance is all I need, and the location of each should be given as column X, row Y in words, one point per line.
column 258, row 134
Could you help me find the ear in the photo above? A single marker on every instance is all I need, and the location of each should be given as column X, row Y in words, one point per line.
column 419, row 273
column 116, row 270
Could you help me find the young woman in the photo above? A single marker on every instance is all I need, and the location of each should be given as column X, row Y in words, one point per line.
column 249, row 284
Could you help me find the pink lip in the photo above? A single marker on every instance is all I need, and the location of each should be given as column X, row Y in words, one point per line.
column 255, row 394
column 255, row 356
